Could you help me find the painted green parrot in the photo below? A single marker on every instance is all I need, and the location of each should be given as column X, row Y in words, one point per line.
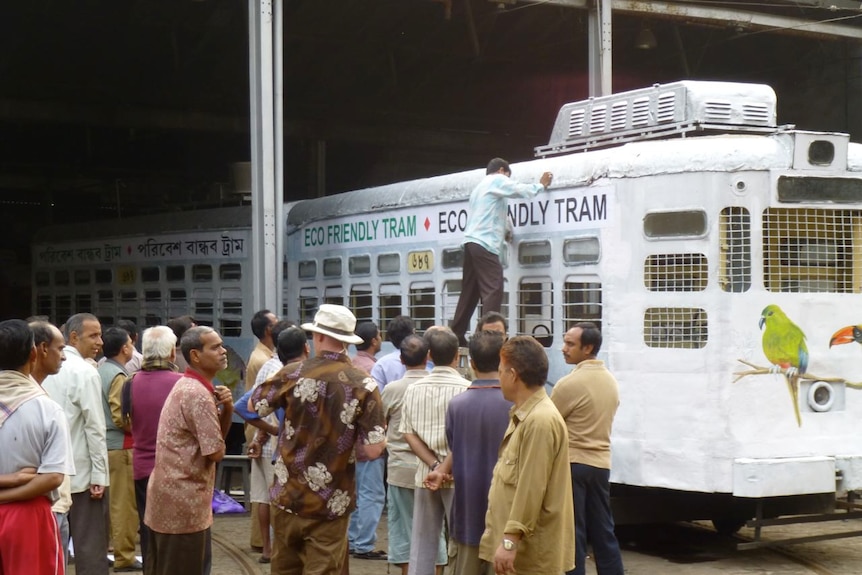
column 784, row 347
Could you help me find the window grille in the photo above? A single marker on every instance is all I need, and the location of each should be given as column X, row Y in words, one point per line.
column 83, row 303
column 64, row 308
column 582, row 301
column 43, row 307
column 811, row 250
column 361, row 303
column 535, row 309
column 675, row 327
column 230, row 272
column 421, row 305
column 734, row 237
column 390, row 305
column 308, row 303
column 676, row 272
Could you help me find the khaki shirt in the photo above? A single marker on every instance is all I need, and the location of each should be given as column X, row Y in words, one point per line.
column 531, row 491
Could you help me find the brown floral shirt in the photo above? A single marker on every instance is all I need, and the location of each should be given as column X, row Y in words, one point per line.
column 329, row 406
column 180, row 491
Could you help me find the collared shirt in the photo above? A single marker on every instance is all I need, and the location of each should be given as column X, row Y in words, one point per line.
column 488, row 212
column 329, row 405
column 475, row 424
column 531, row 491
column 587, row 398
column 267, row 370
column 77, row 387
column 388, row 368
column 424, row 413
column 365, row 361
column 402, row 462
column 179, row 494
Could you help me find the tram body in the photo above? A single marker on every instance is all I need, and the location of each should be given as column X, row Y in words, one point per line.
column 674, row 247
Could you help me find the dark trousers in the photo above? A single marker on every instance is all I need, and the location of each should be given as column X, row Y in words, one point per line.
column 482, row 279
column 594, row 523
column 186, row 553
column 141, row 500
column 89, row 531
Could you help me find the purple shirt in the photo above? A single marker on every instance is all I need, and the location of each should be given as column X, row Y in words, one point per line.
column 149, row 390
column 476, row 422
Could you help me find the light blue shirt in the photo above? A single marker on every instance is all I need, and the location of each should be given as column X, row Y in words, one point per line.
column 486, row 222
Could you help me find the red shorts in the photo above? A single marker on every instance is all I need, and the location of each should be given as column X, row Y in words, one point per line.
column 29, row 539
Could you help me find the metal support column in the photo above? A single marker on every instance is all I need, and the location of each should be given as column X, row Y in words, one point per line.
column 267, row 179
column 600, row 48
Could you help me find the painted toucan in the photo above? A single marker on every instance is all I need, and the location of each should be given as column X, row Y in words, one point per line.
column 784, row 347
column 846, row 335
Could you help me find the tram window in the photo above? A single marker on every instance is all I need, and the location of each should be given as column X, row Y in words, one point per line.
column 175, row 273
column 177, row 305
column 451, row 293
column 230, row 272
column 675, row 224
column 332, row 268
column 308, row 269
column 535, row 309
column 359, row 265
column 453, row 258
column 361, row 303
column 230, row 327
column 83, row 303
column 202, row 273
column 582, row 301
column 806, row 189
column 734, row 243
column 82, row 277
column 64, row 308
column 388, row 263
column 307, row 304
column 675, row 327
column 152, row 320
column 152, row 296
column 104, row 277
column 581, row 251
column 284, row 271
column 105, row 296
column 231, row 301
column 204, row 311
column 333, row 295
column 421, row 305
column 43, row 307
column 150, row 274
column 811, row 250
column 675, row 272
column 42, row 279
column 534, row 253
column 61, row 278
column 105, row 320
column 128, row 296
column 390, row 305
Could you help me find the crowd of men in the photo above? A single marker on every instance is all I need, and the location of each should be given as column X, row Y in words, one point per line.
column 486, row 476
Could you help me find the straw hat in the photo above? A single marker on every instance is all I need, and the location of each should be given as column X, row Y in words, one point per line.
column 336, row 321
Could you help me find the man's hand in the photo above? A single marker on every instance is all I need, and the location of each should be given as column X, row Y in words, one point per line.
column 504, row 561
column 97, row 491
column 223, row 396
column 434, row 480
column 23, row 476
column 546, row 179
column 254, row 449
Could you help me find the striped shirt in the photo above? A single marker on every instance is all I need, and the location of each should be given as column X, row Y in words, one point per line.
column 424, row 412
column 489, row 201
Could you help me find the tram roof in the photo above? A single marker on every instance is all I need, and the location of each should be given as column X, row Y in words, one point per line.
column 716, row 153
column 174, row 222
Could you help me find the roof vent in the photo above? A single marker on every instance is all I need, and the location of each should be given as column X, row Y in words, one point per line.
column 661, row 111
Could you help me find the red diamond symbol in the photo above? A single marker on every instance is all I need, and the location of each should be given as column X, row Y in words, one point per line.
column 427, row 224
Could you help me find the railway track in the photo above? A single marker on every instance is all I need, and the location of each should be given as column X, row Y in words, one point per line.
column 240, row 563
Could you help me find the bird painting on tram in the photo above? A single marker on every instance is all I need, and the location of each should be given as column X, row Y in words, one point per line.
column 784, row 346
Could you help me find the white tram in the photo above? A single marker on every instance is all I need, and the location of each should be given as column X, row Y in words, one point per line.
column 674, row 246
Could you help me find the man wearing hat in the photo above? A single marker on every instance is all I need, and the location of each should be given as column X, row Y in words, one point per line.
column 329, row 407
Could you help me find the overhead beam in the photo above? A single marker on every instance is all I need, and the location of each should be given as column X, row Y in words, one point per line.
column 723, row 16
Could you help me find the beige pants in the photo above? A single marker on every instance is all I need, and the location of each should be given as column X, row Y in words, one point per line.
column 123, row 509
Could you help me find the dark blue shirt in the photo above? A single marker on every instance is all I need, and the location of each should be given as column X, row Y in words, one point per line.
column 476, row 421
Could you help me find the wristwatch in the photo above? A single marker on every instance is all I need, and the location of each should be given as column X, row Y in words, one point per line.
column 508, row 544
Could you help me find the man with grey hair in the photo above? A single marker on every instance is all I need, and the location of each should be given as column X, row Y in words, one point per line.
column 194, row 421
column 144, row 395
column 77, row 387
column 329, row 407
